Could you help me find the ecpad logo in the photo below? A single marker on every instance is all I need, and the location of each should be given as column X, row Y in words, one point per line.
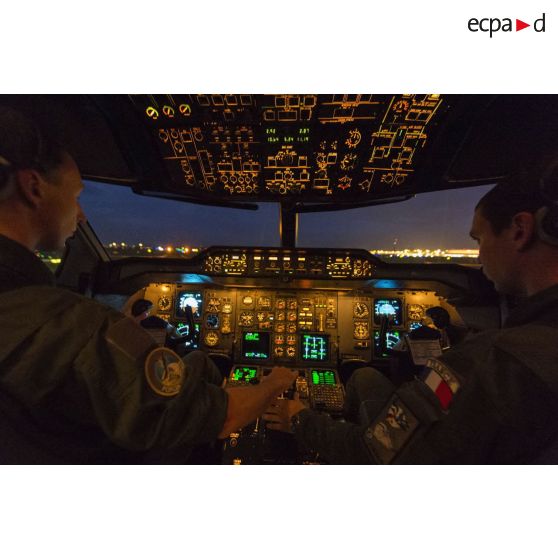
column 494, row 24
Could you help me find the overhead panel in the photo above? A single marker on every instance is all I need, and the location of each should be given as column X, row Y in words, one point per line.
column 300, row 146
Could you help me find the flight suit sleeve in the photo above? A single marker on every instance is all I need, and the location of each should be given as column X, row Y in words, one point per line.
column 336, row 442
column 132, row 406
column 449, row 415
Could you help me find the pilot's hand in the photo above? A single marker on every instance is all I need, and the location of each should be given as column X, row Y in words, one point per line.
column 282, row 378
column 278, row 415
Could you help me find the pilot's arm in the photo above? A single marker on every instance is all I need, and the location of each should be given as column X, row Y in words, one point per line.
column 473, row 405
column 245, row 404
column 79, row 366
column 144, row 396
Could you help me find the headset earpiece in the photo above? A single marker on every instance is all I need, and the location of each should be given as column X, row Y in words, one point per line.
column 547, row 223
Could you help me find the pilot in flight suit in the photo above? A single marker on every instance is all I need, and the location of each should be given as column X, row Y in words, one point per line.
column 88, row 393
column 81, row 382
column 492, row 399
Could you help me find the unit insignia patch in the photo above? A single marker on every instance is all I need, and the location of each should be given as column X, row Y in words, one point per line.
column 391, row 430
column 165, row 372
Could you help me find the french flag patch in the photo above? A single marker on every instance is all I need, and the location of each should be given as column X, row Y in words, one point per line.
column 441, row 381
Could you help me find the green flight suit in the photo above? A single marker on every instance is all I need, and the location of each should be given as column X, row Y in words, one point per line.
column 491, row 399
column 73, row 379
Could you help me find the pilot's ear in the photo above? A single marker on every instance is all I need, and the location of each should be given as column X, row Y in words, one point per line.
column 30, row 185
column 523, row 230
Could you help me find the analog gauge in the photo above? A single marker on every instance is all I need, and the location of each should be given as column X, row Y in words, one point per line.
column 280, row 316
column 226, row 326
column 415, row 312
column 265, row 325
column 292, row 304
column 361, row 330
column 280, row 328
column 261, row 316
column 291, row 351
column 280, row 303
column 213, row 305
column 247, row 300
column 211, row 338
column 279, row 351
column 360, row 310
column 291, row 328
column 246, row 319
column 291, row 340
column 279, row 339
column 227, row 308
column 292, row 317
column 164, row 303
column 212, row 321
column 264, row 302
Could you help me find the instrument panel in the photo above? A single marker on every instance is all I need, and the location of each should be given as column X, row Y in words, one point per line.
column 284, row 262
column 290, row 327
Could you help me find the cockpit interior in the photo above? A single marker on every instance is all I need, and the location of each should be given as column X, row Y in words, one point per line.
column 322, row 311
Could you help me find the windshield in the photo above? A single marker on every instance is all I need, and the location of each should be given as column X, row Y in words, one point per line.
column 431, row 227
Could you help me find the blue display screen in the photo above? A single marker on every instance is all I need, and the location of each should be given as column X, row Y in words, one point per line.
column 392, row 338
column 192, row 299
column 391, row 307
column 184, row 329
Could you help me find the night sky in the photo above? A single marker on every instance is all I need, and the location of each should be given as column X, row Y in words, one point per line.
column 433, row 220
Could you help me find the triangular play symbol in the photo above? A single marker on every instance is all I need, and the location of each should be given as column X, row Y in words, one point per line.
column 519, row 25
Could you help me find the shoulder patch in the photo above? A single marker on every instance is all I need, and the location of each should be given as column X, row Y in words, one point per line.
column 164, row 371
column 390, row 431
column 442, row 380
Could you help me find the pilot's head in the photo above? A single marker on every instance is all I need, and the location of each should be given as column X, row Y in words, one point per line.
column 39, row 185
column 514, row 250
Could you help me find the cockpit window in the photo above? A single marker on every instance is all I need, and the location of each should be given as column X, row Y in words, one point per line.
column 429, row 228
column 129, row 224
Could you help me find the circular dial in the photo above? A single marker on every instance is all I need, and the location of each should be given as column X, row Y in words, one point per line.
column 280, row 303
column 247, row 300
column 361, row 310
column 292, row 304
column 279, row 339
column 291, row 340
column 361, row 330
column 164, row 303
column 280, row 327
column 292, row 317
column 291, row 351
column 279, row 351
column 212, row 320
column 291, row 328
column 415, row 312
column 246, row 318
column 280, row 316
column 211, row 338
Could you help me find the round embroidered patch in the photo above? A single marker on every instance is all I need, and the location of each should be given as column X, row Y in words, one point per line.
column 164, row 371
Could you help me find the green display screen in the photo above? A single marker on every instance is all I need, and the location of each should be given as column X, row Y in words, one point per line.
column 323, row 378
column 314, row 346
column 255, row 345
column 243, row 374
